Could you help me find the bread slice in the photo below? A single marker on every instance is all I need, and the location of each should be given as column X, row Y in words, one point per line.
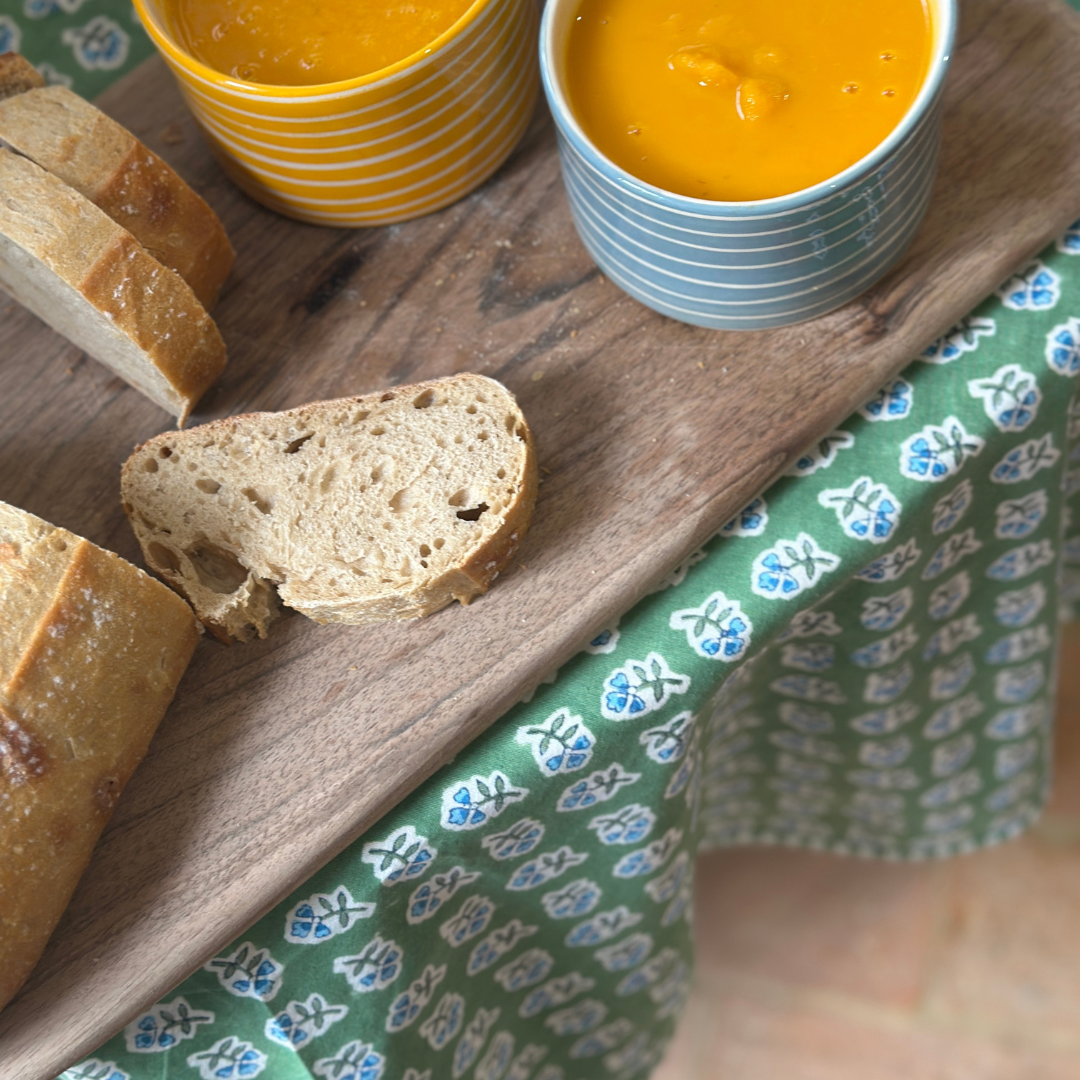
column 387, row 506
column 89, row 279
column 91, row 650
column 17, row 75
column 103, row 161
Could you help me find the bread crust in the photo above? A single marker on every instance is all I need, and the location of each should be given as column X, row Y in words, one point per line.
column 105, row 163
column 242, row 614
column 91, row 651
column 103, row 292
column 17, row 75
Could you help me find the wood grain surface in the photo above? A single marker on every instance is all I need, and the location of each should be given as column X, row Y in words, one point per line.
column 276, row 755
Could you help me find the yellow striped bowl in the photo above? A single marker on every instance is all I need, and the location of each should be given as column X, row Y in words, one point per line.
column 384, row 147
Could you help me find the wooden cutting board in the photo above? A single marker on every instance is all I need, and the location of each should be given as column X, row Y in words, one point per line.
column 276, row 755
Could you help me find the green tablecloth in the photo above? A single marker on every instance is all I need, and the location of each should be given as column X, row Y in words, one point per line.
column 861, row 662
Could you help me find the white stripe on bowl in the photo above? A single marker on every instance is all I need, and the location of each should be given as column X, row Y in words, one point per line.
column 831, row 297
column 915, row 169
column 442, row 197
column 512, row 131
column 918, row 207
column 509, row 105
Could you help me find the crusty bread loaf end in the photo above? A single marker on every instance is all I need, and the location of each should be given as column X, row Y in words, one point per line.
column 104, row 162
column 91, row 651
column 77, row 270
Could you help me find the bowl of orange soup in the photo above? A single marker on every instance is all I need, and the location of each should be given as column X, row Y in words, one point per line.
column 353, row 112
column 745, row 164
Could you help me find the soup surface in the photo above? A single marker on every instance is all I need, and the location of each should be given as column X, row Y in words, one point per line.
column 743, row 99
column 306, row 42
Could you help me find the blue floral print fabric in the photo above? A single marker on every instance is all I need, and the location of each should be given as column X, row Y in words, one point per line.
column 861, row 661
column 85, row 45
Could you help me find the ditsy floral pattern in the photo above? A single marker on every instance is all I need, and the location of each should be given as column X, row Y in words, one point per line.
column 962, row 338
column 938, row 451
column 892, row 402
column 1035, row 288
column 1010, row 397
column 1063, row 348
column 82, row 44
column 859, row 662
column 866, row 510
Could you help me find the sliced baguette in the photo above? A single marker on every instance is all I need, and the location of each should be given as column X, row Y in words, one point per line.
column 91, row 651
column 17, row 75
column 103, row 161
column 89, row 279
column 387, row 506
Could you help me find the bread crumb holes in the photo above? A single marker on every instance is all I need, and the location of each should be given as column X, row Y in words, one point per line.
column 295, row 445
column 474, row 513
column 163, row 556
column 218, row 570
column 261, row 504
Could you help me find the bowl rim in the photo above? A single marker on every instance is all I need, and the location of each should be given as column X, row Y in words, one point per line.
column 162, row 37
column 568, row 126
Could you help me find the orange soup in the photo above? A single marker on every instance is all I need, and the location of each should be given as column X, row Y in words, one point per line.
column 306, row 42
column 743, row 99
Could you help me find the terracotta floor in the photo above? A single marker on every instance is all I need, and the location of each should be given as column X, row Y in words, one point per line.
column 813, row 967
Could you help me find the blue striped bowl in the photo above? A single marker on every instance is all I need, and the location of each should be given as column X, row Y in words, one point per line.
column 750, row 265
